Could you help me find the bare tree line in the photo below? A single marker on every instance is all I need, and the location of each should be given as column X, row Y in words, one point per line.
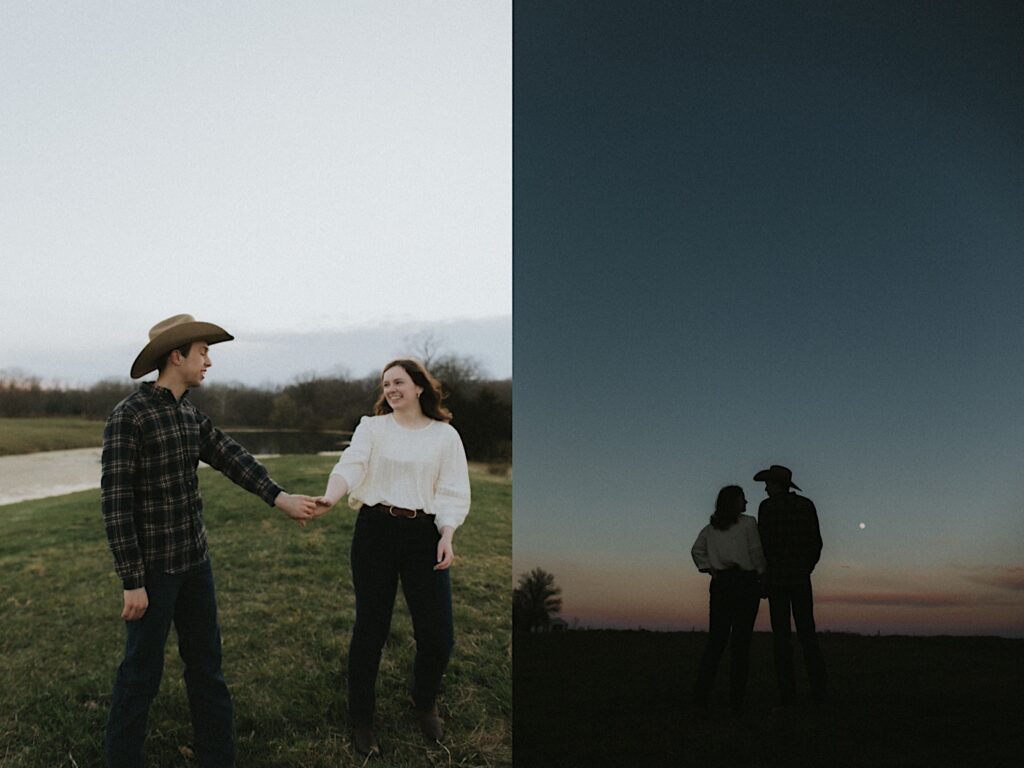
column 482, row 408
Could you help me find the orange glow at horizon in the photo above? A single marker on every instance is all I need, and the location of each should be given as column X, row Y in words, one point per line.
column 869, row 602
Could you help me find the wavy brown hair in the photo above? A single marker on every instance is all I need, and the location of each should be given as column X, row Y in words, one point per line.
column 431, row 398
column 727, row 508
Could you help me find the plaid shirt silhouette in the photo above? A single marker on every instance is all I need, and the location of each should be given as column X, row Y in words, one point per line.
column 790, row 537
column 152, row 445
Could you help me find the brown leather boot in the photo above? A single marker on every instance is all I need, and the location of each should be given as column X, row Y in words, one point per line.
column 431, row 724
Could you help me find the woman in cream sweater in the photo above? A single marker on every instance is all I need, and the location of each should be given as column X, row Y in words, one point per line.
column 405, row 471
column 729, row 548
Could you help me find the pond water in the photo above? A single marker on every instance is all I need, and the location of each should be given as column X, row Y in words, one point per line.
column 276, row 441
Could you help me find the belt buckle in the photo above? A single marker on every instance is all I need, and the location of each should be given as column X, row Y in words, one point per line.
column 391, row 511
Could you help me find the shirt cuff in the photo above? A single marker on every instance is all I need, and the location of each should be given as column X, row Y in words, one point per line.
column 443, row 519
column 270, row 492
column 134, row 582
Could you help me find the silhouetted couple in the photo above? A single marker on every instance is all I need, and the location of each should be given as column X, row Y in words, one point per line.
column 771, row 557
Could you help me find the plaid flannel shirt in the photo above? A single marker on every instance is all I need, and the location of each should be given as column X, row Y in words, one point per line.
column 790, row 537
column 152, row 445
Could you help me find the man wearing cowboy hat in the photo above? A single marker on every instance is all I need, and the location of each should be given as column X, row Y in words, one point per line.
column 152, row 509
column 791, row 539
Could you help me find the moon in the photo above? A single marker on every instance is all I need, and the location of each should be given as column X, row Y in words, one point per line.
column 862, row 526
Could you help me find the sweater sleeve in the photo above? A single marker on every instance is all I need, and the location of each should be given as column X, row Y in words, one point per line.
column 699, row 551
column 452, row 495
column 355, row 460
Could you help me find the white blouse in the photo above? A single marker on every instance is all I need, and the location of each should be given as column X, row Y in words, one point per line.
column 737, row 546
column 413, row 468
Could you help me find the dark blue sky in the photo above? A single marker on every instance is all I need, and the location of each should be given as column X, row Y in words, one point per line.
column 752, row 233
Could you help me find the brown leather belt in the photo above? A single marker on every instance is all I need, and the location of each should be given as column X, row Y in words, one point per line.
column 400, row 511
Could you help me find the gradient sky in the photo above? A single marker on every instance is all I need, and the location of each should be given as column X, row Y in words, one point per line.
column 330, row 168
column 750, row 233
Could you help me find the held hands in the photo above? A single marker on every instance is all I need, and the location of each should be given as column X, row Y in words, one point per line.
column 299, row 508
column 323, row 503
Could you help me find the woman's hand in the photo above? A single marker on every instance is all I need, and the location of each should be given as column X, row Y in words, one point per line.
column 323, row 503
column 337, row 486
column 445, row 552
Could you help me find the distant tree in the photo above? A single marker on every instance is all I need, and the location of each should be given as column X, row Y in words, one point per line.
column 481, row 408
column 535, row 600
column 235, row 405
column 425, row 347
column 21, row 393
column 285, row 412
column 102, row 396
column 457, row 372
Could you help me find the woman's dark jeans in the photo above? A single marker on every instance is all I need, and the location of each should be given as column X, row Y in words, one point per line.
column 187, row 600
column 735, row 598
column 384, row 550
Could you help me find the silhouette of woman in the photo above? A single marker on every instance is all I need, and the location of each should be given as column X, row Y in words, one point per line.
column 729, row 548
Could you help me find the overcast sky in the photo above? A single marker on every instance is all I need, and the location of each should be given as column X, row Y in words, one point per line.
column 768, row 232
column 297, row 173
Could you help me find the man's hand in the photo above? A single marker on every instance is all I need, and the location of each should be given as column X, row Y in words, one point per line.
column 299, row 508
column 445, row 551
column 136, row 601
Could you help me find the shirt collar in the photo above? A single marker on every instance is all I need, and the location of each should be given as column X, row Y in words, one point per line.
column 160, row 394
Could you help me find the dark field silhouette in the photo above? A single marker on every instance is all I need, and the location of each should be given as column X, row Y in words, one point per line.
column 590, row 698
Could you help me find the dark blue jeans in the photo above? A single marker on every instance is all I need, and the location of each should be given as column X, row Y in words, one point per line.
column 796, row 599
column 187, row 600
column 735, row 598
column 387, row 549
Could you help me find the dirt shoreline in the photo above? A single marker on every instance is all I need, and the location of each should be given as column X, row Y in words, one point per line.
column 49, row 473
column 30, row 476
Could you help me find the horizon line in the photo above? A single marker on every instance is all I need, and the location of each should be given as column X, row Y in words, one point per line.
column 694, row 630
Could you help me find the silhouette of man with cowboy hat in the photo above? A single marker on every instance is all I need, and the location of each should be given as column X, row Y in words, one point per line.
column 152, row 510
column 791, row 540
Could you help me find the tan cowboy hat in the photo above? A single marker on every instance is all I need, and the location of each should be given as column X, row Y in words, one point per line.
column 776, row 473
column 172, row 333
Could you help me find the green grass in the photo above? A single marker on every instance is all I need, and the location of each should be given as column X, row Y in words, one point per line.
column 48, row 434
column 286, row 611
column 624, row 698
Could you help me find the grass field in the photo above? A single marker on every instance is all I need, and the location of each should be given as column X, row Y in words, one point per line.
column 598, row 698
column 286, row 611
column 33, row 435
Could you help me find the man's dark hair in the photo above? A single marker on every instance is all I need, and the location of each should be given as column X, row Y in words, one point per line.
column 183, row 350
